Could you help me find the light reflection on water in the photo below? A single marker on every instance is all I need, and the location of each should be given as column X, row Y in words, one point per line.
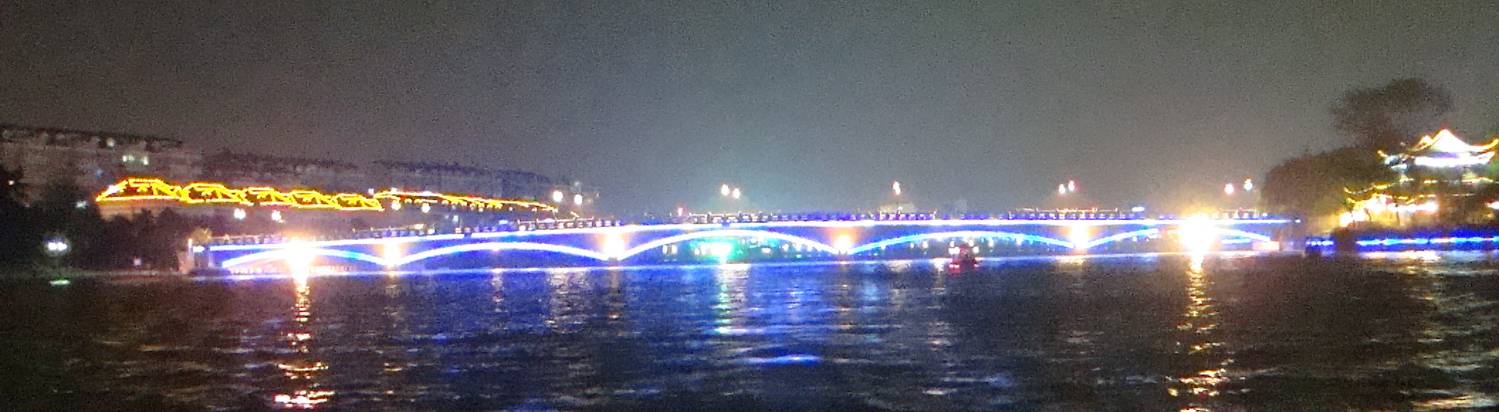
column 1402, row 331
column 301, row 368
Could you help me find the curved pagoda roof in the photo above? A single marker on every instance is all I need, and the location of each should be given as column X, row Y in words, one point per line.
column 1443, row 150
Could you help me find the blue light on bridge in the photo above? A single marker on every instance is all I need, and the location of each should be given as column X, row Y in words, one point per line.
column 821, row 239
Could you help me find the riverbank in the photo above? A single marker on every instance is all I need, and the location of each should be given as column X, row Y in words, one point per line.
column 46, row 274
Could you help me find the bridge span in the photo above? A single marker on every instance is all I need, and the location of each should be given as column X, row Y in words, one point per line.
column 753, row 239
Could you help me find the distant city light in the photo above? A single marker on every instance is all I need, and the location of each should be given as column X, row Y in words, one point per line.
column 895, row 187
column 1248, row 185
column 1228, row 189
column 1071, row 186
column 240, row 214
column 426, row 208
column 724, row 190
column 735, row 194
column 577, row 199
column 1062, row 189
column 80, row 204
column 56, row 246
column 557, row 196
column 1137, row 209
column 276, row 216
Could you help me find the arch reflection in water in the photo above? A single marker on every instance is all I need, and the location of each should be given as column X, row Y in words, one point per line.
column 302, row 369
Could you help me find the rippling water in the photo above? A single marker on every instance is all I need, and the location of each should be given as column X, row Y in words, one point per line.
column 1222, row 333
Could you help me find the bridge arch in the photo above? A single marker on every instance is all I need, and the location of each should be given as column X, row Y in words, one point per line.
column 955, row 234
column 287, row 253
column 724, row 233
column 498, row 246
column 1121, row 236
column 1244, row 234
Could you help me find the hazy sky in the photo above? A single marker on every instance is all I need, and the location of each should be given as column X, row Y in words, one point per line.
column 807, row 105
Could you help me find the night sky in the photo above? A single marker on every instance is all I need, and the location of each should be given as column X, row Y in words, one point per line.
column 816, row 105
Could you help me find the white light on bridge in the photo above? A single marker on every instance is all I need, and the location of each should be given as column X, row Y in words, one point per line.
column 391, row 253
column 1248, row 185
column 1197, row 234
column 1079, row 236
column 844, row 243
column 615, row 247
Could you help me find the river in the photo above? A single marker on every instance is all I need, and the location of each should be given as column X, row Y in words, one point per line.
column 1393, row 331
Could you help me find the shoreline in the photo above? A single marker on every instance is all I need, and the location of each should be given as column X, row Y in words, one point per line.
column 28, row 274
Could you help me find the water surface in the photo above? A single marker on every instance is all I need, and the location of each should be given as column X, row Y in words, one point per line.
column 1124, row 333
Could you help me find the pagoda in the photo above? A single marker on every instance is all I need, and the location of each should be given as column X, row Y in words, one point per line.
column 1440, row 179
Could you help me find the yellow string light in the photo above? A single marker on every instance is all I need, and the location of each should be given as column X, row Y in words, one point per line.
column 150, row 189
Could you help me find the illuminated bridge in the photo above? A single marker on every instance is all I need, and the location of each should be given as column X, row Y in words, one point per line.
column 752, row 238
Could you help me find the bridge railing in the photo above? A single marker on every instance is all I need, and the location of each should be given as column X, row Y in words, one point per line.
column 725, row 219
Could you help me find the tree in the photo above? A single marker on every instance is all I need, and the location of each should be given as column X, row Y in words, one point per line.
column 14, row 219
column 63, row 209
column 1393, row 115
column 1312, row 185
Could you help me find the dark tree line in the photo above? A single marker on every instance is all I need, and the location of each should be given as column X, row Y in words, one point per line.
column 63, row 210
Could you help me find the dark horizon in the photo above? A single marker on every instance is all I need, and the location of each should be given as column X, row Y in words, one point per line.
column 805, row 106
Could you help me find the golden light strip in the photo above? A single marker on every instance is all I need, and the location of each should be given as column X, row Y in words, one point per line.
column 150, row 189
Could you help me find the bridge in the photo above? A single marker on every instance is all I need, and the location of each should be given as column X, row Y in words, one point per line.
column 740, row 238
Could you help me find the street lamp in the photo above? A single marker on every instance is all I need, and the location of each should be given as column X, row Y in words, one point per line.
column 557, row 196
column 56, row 246
column 1064, row 189
column 895, row 187
column 1228, row 189
column 724, row 190
column 735, row 194
column 577, row 199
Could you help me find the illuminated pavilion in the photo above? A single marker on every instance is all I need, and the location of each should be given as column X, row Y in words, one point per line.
column 1440, row 173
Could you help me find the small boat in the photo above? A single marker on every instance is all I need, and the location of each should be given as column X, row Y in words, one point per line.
column 964, row 259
